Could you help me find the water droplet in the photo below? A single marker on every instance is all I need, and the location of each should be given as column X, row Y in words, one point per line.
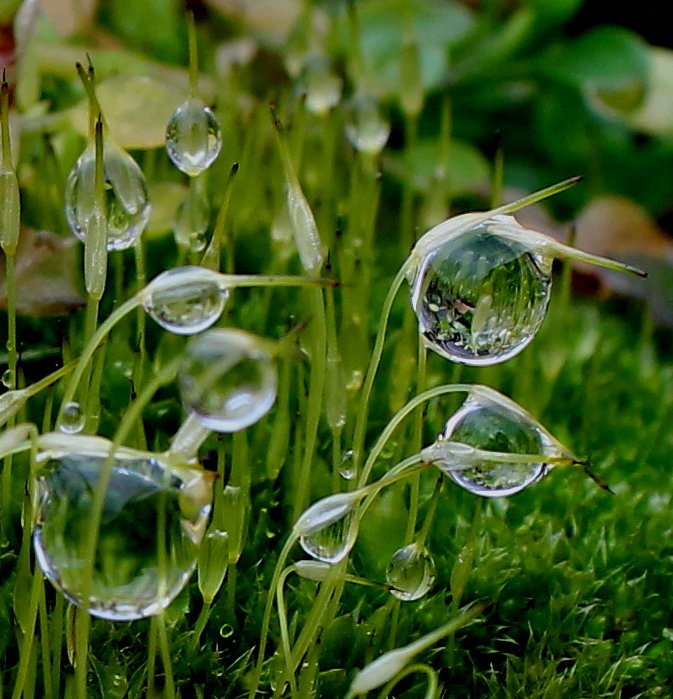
column 72, row 418
column 366, row 129
column 127, row 204
column 325, row 529
column 491, row 422
column 480, row 292
column 8, row 378
column 346, row 469
column 228, row 379
column 411, row 572
column 322, row 86
column 193, row 137
column 192, row 222
column 226, row 630
column 185, row 300
column 137, row 572
column 331, row 543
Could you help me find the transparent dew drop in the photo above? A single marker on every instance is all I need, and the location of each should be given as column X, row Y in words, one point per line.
column 185, row 300
column 147, row 546
column 191, row 224
column 325, row 528
column 193, row 137
column 347, row 469
column 479, row 295
column 126, row 200
column 492, row 422
column 8, row 378
column 72, row 418
column 366, row 129
column 411, row 572
column 331, row 543
column 228, row 379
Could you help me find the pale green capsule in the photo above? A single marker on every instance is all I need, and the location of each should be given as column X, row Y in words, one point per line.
column 10, row 212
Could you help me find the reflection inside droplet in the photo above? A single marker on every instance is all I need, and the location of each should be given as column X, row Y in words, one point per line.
column 480, row 296
column 72, row 418
column 185, row 300
column 127, row 205
column 228, row 379
column 411, row 572
column 147, row 545
column 496, row 424
column 193, row 137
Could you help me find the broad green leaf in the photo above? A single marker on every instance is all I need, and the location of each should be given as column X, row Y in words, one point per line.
column 466, row 168
column 605, row 58
column 655, row 114
column 136, row 110
column 166, row 198
column 435, row 26
column 554, row 11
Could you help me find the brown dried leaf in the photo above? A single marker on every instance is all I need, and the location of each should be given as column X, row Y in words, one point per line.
column 47, row 275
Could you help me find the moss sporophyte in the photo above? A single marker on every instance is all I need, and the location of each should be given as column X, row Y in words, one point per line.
column 252, row 421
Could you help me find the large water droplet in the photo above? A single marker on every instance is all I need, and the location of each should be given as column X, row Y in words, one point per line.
column 411, row 572
column 228, row 379
column 72, row 418
column 193, row 137
column 126, row 201
column 479, row 295
column 185, row 300
column 147, row 545
column 493, row 423
column 366, row 129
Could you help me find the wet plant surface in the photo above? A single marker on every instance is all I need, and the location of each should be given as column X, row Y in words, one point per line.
column 434, row 452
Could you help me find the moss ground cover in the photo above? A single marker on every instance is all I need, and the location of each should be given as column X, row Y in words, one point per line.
column 383, row 122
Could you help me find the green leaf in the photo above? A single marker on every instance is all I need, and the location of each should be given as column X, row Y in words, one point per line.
column 654, row 114
column 434, row 26
column 607, row 58
column 136, row 109
column 466, row 168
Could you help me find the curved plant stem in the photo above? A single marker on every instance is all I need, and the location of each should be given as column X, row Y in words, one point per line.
column 363, row 409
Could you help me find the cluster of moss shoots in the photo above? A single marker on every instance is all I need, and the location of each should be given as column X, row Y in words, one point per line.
column 119, row 531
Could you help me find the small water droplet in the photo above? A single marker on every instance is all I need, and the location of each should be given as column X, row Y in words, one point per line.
column 192, row 222
column 185, row 300
column 226, row 630
column 411, row 572
column 72, row 418
column 347, row 469
column 322, row 86
column 126, row 200
column 366, row 129
column 193, row 137
column 492, row 422
column 480, row 292
column 136, row 573
column 228, row 379
column 8, row 378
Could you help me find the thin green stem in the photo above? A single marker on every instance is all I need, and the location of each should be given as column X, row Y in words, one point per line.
column 25, row 654
column 193, row 56
column 315, row 398
column 166, row 661
column 363, row 409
